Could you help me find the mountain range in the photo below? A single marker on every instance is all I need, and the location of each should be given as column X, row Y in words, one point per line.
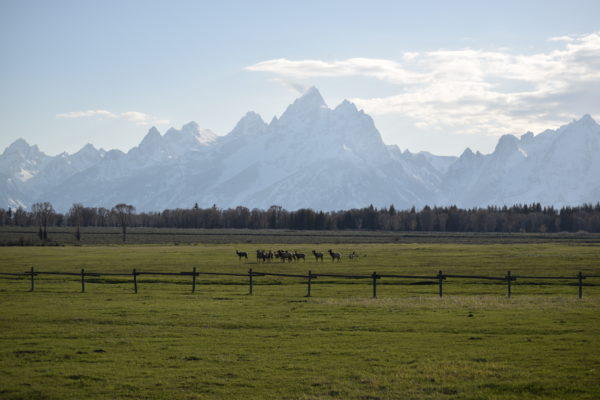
column 312, row 156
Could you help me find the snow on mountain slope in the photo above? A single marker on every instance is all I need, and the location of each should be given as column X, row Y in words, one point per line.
column 26, row 172
column 19, row 163
column 154, row 148
column 292, row 161
column 311, row 156
column 559, row 167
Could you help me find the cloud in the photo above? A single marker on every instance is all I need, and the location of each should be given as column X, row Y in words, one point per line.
column 561, row 39
column 89, row 113
column 135, row 117
column 295, row 87
column 377, row 68
column 469, row 90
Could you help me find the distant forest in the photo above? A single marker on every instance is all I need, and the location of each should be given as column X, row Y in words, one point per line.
column 518, row 218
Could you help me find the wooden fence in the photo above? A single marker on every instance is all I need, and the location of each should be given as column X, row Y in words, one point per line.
column 440, row 278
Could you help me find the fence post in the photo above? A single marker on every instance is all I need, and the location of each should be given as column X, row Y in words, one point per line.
column 374, row 276
column 509, row 284
column 309, row 283
column 580, row 279
column 194, row 280
column 32, row 279
column 250, row 278
column 82, row 280
column 135, row 288
column 441, row 282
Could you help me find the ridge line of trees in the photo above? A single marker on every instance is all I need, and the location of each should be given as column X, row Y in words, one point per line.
column 517, row 218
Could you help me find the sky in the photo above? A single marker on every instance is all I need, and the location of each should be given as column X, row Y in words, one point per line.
column 435, row 76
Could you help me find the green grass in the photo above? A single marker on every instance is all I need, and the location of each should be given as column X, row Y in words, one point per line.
column 220, row 343
column 15, row 235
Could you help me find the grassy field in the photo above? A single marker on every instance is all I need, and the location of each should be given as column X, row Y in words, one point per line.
column 221, row 343
column 15, row 235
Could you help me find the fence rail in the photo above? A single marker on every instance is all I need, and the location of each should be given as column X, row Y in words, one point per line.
column 374, row 277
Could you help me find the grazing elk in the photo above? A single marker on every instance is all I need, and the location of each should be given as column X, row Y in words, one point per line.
column 334, row 255
column 241, row 254
column 353, row 255
column 284, row 255
column 318, row 255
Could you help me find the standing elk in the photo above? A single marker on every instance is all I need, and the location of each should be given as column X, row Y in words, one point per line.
column 263, row 255
column 284, row 255
column 241, row 254
column 318, row 255
column 334, row 255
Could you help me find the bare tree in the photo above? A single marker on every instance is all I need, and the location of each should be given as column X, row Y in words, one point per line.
column 122, row 213
column 75, row 215
column 44, row 214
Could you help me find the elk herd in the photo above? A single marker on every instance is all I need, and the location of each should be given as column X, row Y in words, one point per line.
column 287, row 255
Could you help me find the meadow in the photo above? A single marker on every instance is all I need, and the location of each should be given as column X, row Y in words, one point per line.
column 222, row 343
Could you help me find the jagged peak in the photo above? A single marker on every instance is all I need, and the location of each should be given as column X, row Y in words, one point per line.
column 251, row 117
column 310, row 101
column 153, row 131
column 585, row 121
column 467, row 153
column 190, row 134
column 191, row 126
column 87, row 149
column 527, row 137
column 114, row 154
column 19, row 144
column 250, row 124
column 587, row 118
column 153, row 136
column 346, row 106
column 506, row 143
column 312, row 95
column 88, row 146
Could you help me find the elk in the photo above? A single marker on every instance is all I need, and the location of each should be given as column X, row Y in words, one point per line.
column 334, row 256
column 299, row 256
column 241, row 254
column 284, row 255
column 318, row 255
column 261, row 255
column 353, row 255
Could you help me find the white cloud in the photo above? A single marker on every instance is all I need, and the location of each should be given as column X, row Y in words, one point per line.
column 473, row 91
column 378, row 68
column 561, row 39
column 135, row 117
column 88, row 113
column 294, row 87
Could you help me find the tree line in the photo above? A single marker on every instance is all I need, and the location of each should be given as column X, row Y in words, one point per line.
column 517, row 218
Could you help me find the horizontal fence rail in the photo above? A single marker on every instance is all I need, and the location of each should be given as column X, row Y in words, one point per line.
column 374, row 277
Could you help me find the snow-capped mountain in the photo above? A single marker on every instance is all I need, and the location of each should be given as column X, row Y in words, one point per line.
column 311, row 156
column 559, row 167
column 26, row 172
